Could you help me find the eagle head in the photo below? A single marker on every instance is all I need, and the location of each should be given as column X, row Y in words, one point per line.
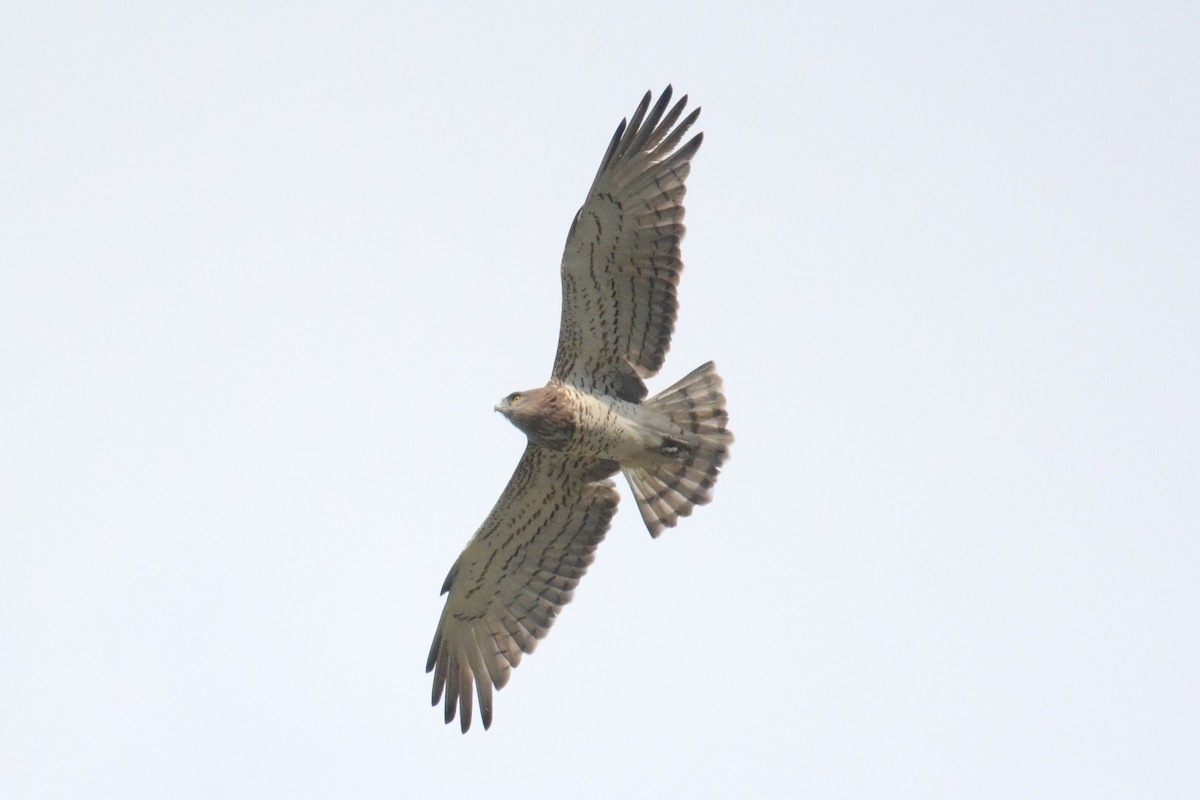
column 542, row 414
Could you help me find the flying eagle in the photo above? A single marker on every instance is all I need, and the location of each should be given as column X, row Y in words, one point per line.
column 619, row 272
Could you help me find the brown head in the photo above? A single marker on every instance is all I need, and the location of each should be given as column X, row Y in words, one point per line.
column 543, row 414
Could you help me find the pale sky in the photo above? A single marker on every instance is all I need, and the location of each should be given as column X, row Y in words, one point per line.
column 266, row 268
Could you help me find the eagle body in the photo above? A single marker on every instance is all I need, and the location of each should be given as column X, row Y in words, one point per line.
column 620, row 269
column 596, row 427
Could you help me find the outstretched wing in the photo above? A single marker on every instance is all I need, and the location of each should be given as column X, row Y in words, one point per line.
column 516, row 574
column 622, row 263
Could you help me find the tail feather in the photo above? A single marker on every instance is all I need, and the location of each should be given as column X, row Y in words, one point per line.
column 692, row 454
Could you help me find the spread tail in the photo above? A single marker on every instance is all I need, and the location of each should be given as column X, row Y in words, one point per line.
column 692, row 454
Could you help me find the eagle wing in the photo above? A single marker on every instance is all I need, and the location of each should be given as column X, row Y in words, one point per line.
column 515, row 575
column 622, row 261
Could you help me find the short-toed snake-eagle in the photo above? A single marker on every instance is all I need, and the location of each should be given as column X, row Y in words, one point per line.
column 619, row 273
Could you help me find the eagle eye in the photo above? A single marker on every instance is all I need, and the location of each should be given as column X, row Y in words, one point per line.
column 516, row 398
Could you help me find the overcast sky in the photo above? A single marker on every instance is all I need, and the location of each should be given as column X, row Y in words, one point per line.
column 266, row 268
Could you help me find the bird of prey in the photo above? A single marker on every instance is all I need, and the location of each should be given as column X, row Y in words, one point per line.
column 592, row 419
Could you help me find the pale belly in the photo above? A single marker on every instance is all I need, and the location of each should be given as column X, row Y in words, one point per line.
column 617, row 430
